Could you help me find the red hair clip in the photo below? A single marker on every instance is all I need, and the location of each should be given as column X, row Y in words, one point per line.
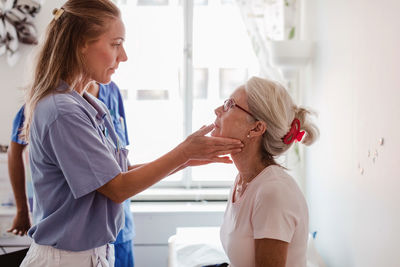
column 294, row 133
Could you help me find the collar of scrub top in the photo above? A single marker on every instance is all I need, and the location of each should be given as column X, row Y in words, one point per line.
column 95, row 110
column 101, row 114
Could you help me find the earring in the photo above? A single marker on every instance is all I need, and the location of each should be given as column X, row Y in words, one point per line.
column 248, row 136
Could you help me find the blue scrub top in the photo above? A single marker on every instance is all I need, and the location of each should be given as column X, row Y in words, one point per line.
column 110, row 95
column 71, row 156
column 17, row 126
column 18, row 123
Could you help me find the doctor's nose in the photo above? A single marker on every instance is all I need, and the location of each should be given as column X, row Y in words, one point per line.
column 122, row 55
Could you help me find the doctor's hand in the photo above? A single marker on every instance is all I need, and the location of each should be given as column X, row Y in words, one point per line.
column 21, row 223
column 200, row 149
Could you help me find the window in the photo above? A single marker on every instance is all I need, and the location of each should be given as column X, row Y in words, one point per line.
column 160, row 109
column 230, row 78
column 200, row 83
column 152, row 2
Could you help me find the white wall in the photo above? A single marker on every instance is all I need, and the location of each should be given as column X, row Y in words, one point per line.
column 355, row 87
column 13, row 79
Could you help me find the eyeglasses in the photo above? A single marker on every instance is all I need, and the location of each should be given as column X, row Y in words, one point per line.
column 230, row 103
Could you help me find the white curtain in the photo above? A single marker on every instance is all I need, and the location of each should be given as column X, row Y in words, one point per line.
column 268, row 20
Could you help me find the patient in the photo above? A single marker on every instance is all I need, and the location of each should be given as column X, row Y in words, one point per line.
column 266, row 220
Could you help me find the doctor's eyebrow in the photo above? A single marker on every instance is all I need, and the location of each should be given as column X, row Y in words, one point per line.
column 118, row 38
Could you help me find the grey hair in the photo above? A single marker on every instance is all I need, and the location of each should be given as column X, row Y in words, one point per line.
column 270, row 102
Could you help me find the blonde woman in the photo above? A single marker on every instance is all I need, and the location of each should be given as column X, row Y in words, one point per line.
column 80, row 172
column 266, row 219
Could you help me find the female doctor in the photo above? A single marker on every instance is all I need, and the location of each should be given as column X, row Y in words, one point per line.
column 79, row 170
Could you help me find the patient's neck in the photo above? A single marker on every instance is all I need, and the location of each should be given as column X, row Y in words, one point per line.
column 249, row 161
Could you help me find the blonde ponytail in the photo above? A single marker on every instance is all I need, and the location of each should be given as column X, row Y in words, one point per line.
column 312, row 132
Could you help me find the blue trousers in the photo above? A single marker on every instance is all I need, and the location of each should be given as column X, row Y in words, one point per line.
column 124, row 254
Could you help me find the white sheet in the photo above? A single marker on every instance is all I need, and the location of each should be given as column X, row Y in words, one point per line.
column 199, row 246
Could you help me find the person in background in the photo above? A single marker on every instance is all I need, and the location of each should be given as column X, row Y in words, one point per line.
column 16, row 170
column 266, row 218
column 79, row 168
column 110, row 95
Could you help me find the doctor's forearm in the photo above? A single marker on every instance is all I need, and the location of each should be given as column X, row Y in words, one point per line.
column 197, row 147
column 134, row 181
column 131, row 167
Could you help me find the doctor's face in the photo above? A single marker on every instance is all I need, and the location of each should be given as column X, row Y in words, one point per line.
column 233, row 117
column 103, row 55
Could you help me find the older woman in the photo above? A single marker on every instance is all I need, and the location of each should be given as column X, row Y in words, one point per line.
column 266, row 220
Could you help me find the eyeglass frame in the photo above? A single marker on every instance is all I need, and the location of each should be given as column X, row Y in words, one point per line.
column 225, row 107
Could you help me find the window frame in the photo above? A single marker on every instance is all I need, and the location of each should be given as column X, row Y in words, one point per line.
column 187, row 182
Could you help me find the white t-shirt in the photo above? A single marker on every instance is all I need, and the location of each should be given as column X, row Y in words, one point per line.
column 272, row 206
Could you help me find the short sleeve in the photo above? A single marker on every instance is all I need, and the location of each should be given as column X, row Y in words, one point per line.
column 273, row 214
column 18, row 123
column 78, row 150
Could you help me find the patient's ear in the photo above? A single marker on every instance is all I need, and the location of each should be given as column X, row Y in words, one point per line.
column 258, row 129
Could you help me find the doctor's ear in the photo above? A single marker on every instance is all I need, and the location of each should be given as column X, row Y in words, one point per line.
column 84, row 48
column 258, row 129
